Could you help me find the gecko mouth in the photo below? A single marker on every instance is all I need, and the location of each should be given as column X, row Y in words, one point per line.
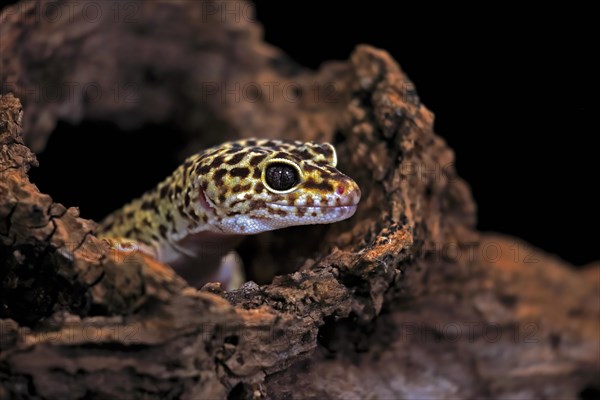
column 341, row 212
column 311, row 207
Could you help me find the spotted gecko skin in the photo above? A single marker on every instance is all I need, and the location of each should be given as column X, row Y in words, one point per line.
column 237, row 188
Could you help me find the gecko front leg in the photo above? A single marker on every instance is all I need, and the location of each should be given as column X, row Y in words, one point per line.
column 122, row 248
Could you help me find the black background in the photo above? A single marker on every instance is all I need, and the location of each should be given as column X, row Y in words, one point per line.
column 511, row 90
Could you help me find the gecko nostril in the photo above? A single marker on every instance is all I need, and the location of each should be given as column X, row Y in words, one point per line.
column 340, row 189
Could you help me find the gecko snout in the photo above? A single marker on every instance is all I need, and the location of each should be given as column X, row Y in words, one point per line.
column 347, row 193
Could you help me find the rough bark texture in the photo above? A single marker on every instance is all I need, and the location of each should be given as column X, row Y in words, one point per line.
column 404, row 300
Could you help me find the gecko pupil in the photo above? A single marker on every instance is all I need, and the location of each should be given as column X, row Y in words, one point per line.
column 281, row 176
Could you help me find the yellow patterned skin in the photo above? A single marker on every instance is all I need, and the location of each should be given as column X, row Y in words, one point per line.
column 238, row 188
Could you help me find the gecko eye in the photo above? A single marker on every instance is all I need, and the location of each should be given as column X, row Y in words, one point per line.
column 280, row 176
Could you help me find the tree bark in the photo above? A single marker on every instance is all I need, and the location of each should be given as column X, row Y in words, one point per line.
column 404, row 300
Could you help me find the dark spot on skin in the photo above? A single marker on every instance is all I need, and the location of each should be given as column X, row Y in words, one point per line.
column 236, row 146
column 325, row 186
column 186, row 199
column 236, row 159
column 202, row 169
column 292, row 197
column 178, row 189
column 256, row 204
column 169, row 216
column 327, row 149
column 251, row 142
column 259, row 187
column 240, row 172
column 163, row 191
column 146, row 222
column 109, row 226
column 162, row 230
column 217, row 161
column 218, row 176
column 309, row 200
column 222, row 198
column 246, row 187
column 257, row 173
column 187, row 164
column 205, row 218
column 129, row 214
column 305, row 154
column 338, row 202
column 235, row 203
column 254, row 161
column 301, row 212
column 147, row 205
column 181, row 210
column 314, row 214
column 248, row 196
column 236, row 189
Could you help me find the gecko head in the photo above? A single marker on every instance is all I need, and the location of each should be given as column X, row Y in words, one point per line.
column 252, row 186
